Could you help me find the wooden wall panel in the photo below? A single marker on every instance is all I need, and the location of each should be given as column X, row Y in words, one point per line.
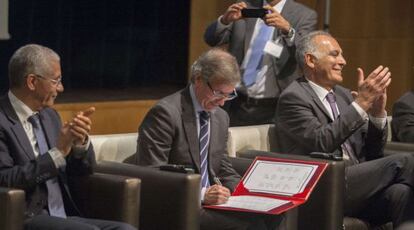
column 110, row 117
column 370, row 33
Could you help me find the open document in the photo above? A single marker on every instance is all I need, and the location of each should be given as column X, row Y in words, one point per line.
column 273, row 186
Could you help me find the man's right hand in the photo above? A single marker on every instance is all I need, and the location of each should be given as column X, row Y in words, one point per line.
column 65, row 140
column 216, row 194
column 233, row 13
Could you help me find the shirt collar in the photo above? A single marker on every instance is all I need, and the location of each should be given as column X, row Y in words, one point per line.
column 197, row 107
column 22, row 110
column 319, row 90
column 278, row 7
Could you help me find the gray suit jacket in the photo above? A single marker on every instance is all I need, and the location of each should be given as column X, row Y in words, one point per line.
column 238, row 37
column 168, row 135
column 403, row 118
column 303, row 124
column 20, row 169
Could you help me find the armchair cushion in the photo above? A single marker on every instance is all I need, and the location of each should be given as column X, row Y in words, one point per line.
column 114, row 147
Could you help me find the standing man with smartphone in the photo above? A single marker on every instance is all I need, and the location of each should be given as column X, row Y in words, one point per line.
column 265, row 50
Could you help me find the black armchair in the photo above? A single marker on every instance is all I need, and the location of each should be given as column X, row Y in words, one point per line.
column 92, row 195
column 169, row 200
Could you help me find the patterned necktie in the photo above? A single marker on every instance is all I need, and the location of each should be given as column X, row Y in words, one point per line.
column 204, row 141
column 264, row 35
column 54, row 197
column 346, row 146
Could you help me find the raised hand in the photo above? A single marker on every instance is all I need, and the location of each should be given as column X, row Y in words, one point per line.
column 371, row 94
column 233, row 13
column 275, row 19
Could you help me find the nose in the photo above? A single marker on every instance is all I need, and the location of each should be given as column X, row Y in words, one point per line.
column 60, row 87
column 221, row 101
column 342, row 60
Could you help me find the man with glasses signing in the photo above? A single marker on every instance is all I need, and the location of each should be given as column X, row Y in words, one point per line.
column 188, row 128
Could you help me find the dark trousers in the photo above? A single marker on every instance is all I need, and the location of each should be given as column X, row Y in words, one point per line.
column 46, row 222
column 381, row 190
column 243, row 112
column 230, row 220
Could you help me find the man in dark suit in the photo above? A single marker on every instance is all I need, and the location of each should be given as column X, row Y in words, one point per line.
column 315, row 114
column 403, row 118
column 37, row 153
column 265, row 50
column 188, row 128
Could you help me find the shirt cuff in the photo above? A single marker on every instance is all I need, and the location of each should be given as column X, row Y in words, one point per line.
column 202, row 193
column 361, row 111
column 79, row 150
column 57, row 158
column 221, row 26
column 378, row 122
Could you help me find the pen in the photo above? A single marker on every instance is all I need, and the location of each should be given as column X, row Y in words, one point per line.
column 217, row 181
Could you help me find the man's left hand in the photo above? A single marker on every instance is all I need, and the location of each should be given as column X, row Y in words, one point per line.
column 275, row 19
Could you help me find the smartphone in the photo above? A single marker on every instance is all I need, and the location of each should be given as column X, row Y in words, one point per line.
column 253, row 12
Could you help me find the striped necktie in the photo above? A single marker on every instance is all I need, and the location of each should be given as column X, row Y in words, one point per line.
column 204, row 143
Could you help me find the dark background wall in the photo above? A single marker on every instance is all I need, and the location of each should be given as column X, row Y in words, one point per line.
column 104, row 43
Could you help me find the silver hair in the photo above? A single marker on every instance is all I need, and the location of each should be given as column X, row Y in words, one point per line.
column 216, row 65
column 307, row 45
column 30, row 59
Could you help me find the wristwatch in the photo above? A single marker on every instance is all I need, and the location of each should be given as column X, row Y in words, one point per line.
column 290, row 33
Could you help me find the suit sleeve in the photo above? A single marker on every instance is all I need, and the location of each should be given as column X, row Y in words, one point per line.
column 156, row 135
column 403, row 120
column 26, row 175
column 229, row 177
column 298, row 119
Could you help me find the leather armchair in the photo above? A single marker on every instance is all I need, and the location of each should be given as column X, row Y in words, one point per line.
column 169, row 200
column 92, row 195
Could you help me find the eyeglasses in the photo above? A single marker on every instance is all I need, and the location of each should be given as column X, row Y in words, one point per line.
column 221, row 95
column 55, row 82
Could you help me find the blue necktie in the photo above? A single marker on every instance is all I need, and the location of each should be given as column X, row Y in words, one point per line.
column 204, row 140
column 54, row 197
column 252, row 67
column 330, row 97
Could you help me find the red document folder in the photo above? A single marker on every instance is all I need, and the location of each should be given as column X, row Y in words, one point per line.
column 274, row 183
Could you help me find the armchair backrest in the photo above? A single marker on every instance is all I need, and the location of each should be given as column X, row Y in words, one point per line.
column 114, row 147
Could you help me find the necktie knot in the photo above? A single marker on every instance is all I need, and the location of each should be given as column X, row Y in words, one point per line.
column 330, row 97
column 204, row 116
column 34, row 120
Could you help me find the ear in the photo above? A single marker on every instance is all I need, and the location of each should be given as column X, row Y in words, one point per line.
column 310, row 60
column 31, row 82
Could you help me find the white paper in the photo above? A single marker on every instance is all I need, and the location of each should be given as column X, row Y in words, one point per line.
column 255, row 203
column 280, row 178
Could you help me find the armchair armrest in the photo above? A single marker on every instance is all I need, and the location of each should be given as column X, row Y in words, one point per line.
column 169, row 200
column 109, row 197
column 324, row 209
column 12, row 209
column 393, row 147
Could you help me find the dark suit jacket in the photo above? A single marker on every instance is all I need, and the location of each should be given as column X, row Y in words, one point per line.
column 238, row 37
column 20, row 169
column 403, row 118
column 303, row 124
column 168, row 135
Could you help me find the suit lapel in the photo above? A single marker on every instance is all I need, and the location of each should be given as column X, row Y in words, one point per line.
column 190, row 126
column 17, row 127
column 315, row 98
column 250, row 24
